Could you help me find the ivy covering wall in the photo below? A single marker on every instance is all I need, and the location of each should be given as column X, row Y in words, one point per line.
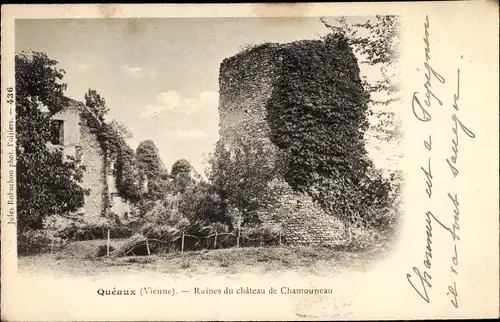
column 308, row 100
column 115, row 148
column 317, row 114
column 317, row 111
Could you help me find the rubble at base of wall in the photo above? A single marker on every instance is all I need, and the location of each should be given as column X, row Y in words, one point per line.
column 303, row 222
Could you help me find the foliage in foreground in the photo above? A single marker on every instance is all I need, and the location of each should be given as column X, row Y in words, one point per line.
column 240, row 176
column 45, row 183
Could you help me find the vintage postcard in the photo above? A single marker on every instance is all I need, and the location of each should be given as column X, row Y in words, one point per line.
column 250, row 161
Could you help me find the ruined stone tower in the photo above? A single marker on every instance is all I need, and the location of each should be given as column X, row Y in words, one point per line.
column 246, row 83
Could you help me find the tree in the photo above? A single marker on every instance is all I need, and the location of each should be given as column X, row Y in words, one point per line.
column 200, row 202
column 97, row 104
column 127, row 174
column 181, row 176
column 112, row 137
column 151, row 168
column 148, row 158
column 179, row 166
column 377, row 42
column 46, row 184
column 121, row 130
column 241, row 178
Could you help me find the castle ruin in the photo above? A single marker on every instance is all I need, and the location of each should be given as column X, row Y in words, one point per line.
column 72, row 135
column 246, row 84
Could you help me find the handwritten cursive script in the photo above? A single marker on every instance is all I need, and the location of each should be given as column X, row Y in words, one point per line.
column 421, row 277
column 457, row 128
column 421, row 112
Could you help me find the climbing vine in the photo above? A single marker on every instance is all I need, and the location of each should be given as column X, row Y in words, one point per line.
column 127, row 174
column 318, row 115
column 112, row 139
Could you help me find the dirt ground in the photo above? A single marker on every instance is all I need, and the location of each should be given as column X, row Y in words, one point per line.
column 74, row 260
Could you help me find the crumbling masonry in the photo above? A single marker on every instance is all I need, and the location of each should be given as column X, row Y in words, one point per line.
column 246, row 83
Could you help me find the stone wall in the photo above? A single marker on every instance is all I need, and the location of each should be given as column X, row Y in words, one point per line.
column 70, row 116
column 246, row 83
column 81, row 144
column 302, row 221
column 95, row 174
column 119, row 206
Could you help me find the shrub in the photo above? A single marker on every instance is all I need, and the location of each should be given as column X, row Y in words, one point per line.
column 135, row 245
column 240, row 175
column 31, row 242
column 164, row 224
column 363, row 239
column 202, row 202
column 264, row 234
column 87, row 228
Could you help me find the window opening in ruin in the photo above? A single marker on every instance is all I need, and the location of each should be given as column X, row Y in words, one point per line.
column 81, row 203
column 78, row 153
column 57, row 132
column 112, row 168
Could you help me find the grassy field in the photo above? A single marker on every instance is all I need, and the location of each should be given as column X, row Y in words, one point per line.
column 75, row 259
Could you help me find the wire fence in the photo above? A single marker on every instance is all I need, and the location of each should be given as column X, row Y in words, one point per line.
column 141, row 245
column 188, row 242
column 138, row 245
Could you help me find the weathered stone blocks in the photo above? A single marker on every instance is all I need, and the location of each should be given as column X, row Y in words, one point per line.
column 94, row 176
column 246, row 83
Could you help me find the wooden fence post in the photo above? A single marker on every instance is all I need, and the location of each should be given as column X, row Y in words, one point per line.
column 147, row 246
column 215, row 240
column 280, row 237
column 107, row 246
column 261, row 241
column 182, row 243
column 239, row 229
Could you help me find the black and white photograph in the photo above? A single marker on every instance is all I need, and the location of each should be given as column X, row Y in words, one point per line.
column 226, row 144
column 308, row 151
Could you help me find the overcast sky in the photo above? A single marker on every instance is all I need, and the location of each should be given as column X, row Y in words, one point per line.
column 159, row 76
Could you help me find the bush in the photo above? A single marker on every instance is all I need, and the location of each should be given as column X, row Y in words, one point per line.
column 240, row 175
column 163, row 224
column 202, row 202
column 135, row 245
column 31, row 242
column 163, row 227
column 263, row 234
column 87, row 228
column 370, row 239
